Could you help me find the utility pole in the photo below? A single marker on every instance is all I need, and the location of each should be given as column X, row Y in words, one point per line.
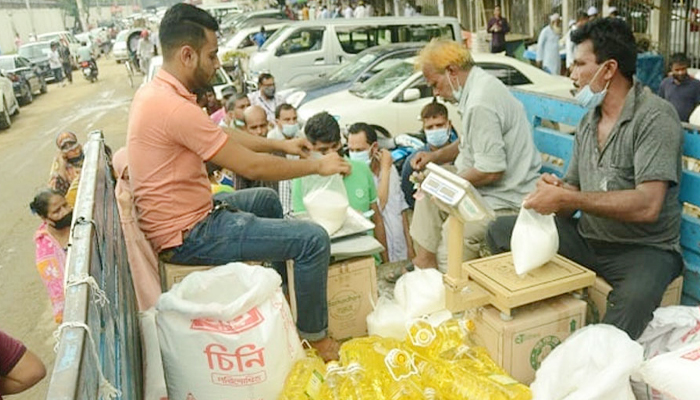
column 81, row 15
column 31, row 16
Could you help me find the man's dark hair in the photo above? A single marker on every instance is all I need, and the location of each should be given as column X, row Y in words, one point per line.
column 323, row 128
column 283, row 107
column 202, row 92
column 370, row 133
column 263, row 77
column 184, row 24
column 231, row 102
column 433, row 109
column 612, row 39
column 679, row 58
column 581, row 15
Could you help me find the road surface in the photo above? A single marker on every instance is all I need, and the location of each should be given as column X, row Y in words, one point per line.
column 26, row 151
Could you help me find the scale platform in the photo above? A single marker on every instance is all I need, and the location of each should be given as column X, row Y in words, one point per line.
column 496, row 274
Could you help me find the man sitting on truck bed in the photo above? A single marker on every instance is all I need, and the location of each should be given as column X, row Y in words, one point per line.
column 169, row 139
column 623, row 176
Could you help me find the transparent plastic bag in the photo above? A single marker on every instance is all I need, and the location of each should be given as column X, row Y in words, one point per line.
column 535, row 240
column 326, row 200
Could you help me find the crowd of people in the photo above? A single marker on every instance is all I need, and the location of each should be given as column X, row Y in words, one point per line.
column 233, row 170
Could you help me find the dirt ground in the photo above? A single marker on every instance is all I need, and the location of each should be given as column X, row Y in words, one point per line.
column 26, row 151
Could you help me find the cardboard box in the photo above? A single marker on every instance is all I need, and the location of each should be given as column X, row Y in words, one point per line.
column 497, row 275
column 351, row 285
column 171, row 274
column 521, row 344
column 598, row 295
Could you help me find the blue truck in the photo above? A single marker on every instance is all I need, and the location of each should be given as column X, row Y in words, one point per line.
column 99, row 347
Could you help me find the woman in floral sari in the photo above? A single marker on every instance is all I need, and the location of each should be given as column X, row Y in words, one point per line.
column 52, row 243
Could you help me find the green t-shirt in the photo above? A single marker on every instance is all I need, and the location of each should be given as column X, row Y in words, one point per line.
column 359, row 186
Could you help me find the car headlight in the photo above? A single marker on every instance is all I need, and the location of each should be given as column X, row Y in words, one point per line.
column 296, row 98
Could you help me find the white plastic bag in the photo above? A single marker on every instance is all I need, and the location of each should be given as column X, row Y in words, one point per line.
column 387, row 320
column 672, row 328
column 227, row 333
column 153, row 374
column 675, row 374
column 326, row 200
column 535, row 240
column 420, row 292
column 594, row 363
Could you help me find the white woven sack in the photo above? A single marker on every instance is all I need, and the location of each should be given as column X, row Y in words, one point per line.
column 227, row 333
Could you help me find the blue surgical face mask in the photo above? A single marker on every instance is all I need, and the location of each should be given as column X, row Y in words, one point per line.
column 456, row 92
column 290, row 131
column 360, row 156
column 589, row 99
column 437, row 137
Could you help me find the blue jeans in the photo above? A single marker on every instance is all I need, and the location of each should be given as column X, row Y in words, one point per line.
column 256, row 231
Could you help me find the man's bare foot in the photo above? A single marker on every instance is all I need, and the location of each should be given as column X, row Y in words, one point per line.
column 327, row 348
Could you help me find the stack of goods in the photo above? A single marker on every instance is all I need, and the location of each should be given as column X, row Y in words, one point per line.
column 440, row 362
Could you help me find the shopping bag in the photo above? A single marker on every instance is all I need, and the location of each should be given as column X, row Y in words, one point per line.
column 326, row 200
column 535, row 240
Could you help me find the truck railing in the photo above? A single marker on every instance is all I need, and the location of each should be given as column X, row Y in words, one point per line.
column 99, row 349
column 557, row 146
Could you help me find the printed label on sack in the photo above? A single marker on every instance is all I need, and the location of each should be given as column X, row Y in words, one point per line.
column 243, row 358
column 542, row 350
column 240, row 324
column 692, row 355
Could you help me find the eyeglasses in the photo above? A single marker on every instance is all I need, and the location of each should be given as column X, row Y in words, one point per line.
column 68, row 146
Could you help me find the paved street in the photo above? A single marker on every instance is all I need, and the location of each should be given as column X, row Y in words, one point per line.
column 26, row 151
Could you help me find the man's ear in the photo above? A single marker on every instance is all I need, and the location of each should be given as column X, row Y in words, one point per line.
column 610, row 69
column 188, row 56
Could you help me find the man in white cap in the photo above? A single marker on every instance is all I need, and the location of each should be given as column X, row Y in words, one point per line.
column 592, row 12
column 548, row 57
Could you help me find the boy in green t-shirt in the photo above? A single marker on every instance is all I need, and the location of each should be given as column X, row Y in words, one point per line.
column 323, row 132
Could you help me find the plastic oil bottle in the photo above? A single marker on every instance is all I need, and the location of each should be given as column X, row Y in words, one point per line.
column 305, row 378
column 405, row 383
column 335, row 376
column 359, row 385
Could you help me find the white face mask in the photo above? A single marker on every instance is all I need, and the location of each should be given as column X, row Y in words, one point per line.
column 589, row 99
column 437, row 137
column 290, row 131
column 360, row 156
column 456, row 92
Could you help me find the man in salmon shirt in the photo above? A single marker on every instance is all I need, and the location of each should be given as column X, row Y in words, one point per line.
column 168, row 141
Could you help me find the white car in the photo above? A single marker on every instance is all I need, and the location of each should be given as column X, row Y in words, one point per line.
column 73, row 43
column 394, row 97
column 242, row 40
column 9, row 105
column 220, row 80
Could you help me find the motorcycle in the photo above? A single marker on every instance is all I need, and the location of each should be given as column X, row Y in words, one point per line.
column 89, row 71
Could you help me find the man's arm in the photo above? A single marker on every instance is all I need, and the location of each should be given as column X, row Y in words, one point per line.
column 264, row 145
column 258, row 166
column 444, row 155
column 379, row 231
column 28, row 371
column 407, row 235
column 386, row 163
column 641, row 204
column 478, row 178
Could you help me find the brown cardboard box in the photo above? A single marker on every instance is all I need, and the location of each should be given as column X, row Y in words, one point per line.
column 171, row 274
column 351, row 284
column 598, row 294
column 520, row 345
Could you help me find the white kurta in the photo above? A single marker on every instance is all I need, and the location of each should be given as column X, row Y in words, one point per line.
column 548, row 50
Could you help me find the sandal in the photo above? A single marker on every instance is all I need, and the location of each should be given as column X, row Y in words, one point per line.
column 398, row 272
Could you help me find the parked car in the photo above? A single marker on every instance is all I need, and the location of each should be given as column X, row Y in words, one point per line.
column 242, row 41
column 394, row 97
column 362, row 67
column 218, row 82
column 26, row 78
column 38, row 54
column 10, row 105
column 231, row 24
column 311, row 48
column 73, row 43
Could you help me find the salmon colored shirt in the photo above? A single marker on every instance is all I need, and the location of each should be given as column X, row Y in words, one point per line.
column 168, row 140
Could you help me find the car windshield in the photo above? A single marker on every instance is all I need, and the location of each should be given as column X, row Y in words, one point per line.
column 34, row 51
column 384, row 82
column 274, row 37
column 348, row 71
column 7, row 63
